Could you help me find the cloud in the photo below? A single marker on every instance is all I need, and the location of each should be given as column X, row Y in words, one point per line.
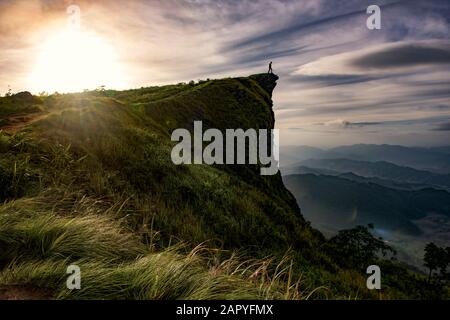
column 356, row 86
column 406, row 55
column 330, row 65
column 442, row 127
column 438, row 107
column 345, row 124
column 380, row 59
column 334, row 79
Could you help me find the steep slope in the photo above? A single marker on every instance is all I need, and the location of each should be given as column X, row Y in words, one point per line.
column 88, row 180
column 130, row 149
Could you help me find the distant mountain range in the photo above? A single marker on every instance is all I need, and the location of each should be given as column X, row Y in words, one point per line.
column 341, row 203
column 435, row 159
column 351, row 176
column 389, row 173
column 404, row 192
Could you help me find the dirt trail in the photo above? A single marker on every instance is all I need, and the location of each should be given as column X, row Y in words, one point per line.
column 16, row 292
column 19, row 121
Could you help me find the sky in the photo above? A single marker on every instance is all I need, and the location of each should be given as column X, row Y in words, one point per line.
column 340, row 83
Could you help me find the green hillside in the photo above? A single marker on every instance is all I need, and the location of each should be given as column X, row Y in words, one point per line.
column 87, row 179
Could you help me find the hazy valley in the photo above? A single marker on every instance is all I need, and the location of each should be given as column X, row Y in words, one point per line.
column 347, row 186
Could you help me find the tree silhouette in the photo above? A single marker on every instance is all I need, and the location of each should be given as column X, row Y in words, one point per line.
column 436, row 258
column 358, row 247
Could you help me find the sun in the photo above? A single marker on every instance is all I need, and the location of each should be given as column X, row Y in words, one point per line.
column 71, row 61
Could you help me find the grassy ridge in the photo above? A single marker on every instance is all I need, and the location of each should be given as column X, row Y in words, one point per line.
column 92, row 183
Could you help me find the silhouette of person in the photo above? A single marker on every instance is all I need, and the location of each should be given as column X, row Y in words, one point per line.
column 270, row 67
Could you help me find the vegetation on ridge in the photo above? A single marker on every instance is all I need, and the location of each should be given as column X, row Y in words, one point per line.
column 89, row 181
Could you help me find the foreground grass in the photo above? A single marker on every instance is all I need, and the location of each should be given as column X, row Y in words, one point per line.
column 37, row 246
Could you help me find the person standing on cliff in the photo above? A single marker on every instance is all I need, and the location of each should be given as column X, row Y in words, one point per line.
column 270, row 68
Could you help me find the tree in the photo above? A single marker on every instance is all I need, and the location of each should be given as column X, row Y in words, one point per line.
column 436, row 258
column 358, row 247
column 447, row 251
column 430, row 258
column 9, row 93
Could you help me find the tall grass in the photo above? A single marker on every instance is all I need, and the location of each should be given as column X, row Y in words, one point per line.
column 38, row 243
column 163, row 275
column 42, row 235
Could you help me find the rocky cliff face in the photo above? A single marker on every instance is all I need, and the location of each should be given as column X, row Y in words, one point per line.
column 267, row 81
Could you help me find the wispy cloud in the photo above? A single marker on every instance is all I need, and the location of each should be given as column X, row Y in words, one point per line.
column 443, row 127
column 389, row 58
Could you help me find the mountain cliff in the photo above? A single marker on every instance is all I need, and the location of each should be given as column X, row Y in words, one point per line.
column 87, row 180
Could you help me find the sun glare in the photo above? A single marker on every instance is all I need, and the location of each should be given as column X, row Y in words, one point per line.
column 72, row 61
